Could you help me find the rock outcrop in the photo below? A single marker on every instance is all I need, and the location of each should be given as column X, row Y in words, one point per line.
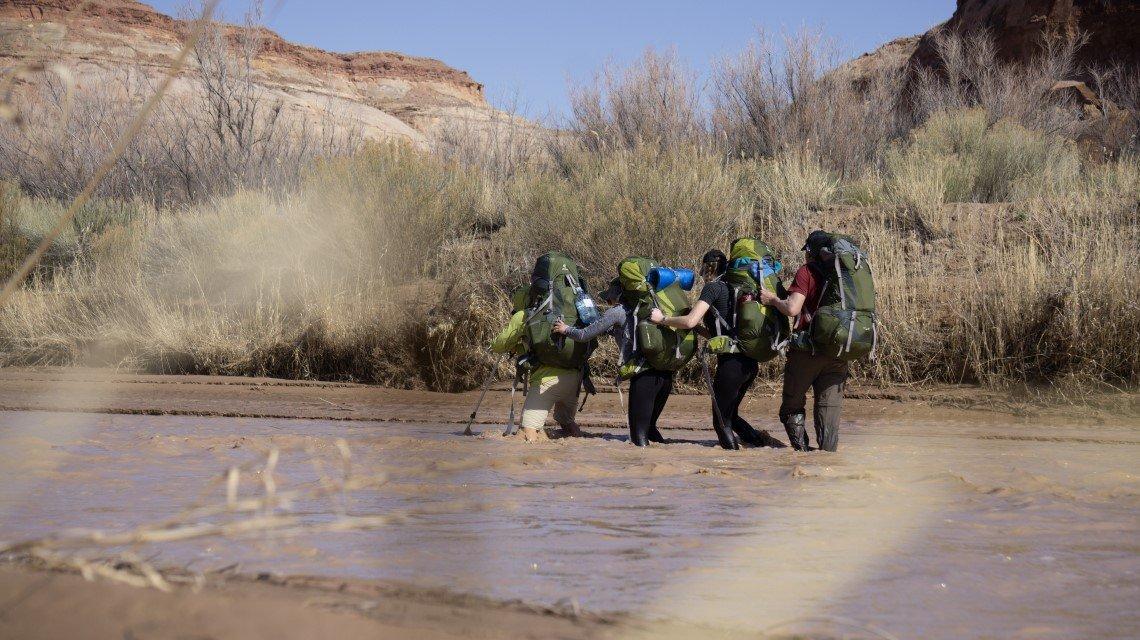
column 1019, row 28
column 388, row 95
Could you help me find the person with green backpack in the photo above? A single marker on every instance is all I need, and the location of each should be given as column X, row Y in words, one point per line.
column 558, row 365
column 740, row 333
column 832, row 298
column 649, row 389
column 649, row 354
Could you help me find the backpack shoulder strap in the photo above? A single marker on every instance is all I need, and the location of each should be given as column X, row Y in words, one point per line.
column 729, row 328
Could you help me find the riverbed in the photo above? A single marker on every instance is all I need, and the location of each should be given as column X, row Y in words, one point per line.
column 941, row 525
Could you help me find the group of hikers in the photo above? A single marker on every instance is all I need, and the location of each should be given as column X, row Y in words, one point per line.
column 822, row 321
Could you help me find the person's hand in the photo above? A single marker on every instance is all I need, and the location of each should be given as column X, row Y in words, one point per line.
column 560, row 327
column 767, row 297
column 656, row 317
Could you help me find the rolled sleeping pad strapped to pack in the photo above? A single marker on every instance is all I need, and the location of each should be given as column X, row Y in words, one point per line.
column 662, row 277
column 655, row 346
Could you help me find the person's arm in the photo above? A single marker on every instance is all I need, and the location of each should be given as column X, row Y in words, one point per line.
column 790, row 306
column 610, row 319
column 688, row 321
column 509, row 338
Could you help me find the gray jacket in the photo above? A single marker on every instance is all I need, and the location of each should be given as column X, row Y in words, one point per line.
column 617, row 322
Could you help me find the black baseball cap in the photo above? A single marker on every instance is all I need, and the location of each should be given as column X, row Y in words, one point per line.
column 816, row 240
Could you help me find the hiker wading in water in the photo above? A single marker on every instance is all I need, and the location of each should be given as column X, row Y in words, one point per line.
column 735, row 372
column 549, row 387
column 832, row 298
column 558, row 365
column 648, row 390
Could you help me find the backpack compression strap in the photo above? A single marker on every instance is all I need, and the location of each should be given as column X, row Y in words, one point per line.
column 547, row 302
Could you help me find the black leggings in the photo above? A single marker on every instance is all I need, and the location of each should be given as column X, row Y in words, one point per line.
column 648, row 392
column 735, row 374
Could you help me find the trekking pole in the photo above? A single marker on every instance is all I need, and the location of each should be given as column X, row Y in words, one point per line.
column 712, row 394
column 486, row 384
column 510, row 430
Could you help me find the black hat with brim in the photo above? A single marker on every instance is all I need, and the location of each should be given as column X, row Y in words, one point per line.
column 816, row 240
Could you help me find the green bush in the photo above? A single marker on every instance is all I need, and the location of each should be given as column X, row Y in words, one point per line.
column 962, row 157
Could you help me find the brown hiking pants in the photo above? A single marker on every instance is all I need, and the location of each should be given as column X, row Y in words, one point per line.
column 827, row 377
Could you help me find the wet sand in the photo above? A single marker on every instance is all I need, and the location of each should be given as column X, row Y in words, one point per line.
column 933, row 520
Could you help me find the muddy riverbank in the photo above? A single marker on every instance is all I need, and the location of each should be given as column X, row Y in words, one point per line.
column 933, row 520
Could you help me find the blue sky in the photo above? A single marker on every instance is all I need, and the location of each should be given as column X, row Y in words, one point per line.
column 525, row 53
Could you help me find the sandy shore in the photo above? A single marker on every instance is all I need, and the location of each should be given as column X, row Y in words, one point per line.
column 35, row 603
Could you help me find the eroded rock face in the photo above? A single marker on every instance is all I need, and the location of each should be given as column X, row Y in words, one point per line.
column 1019, row 26
column 389, row 95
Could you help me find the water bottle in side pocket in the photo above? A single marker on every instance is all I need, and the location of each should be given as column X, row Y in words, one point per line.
column 587, row 310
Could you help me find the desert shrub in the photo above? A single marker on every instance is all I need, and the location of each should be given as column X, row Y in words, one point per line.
column 14, row 244
column 1014, row 294
column 1054, row 309
column 307, row 286
column 962, row 157
column 670, row 205
column 394, row 211
column 500, row 148
column 791, row 184
column 652, row 101
column 218, row 131
column 774, row 100
column 970, row 75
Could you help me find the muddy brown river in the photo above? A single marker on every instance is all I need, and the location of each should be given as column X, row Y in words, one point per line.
column 916, row 528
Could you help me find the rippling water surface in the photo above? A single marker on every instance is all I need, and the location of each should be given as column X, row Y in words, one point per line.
column 923, row 528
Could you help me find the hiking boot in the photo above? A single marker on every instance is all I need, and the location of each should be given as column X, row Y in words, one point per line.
column 728, row 439
column 753, row 437
column 765, row 439
column 797, row 434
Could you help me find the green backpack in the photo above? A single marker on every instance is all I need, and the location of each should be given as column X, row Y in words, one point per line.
column 657, row 347
column 844, row 325
column 759, row 331
column 554, row 283
column 520, row 298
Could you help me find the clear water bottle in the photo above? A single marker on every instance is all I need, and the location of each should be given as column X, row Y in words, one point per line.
column 587, row 310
